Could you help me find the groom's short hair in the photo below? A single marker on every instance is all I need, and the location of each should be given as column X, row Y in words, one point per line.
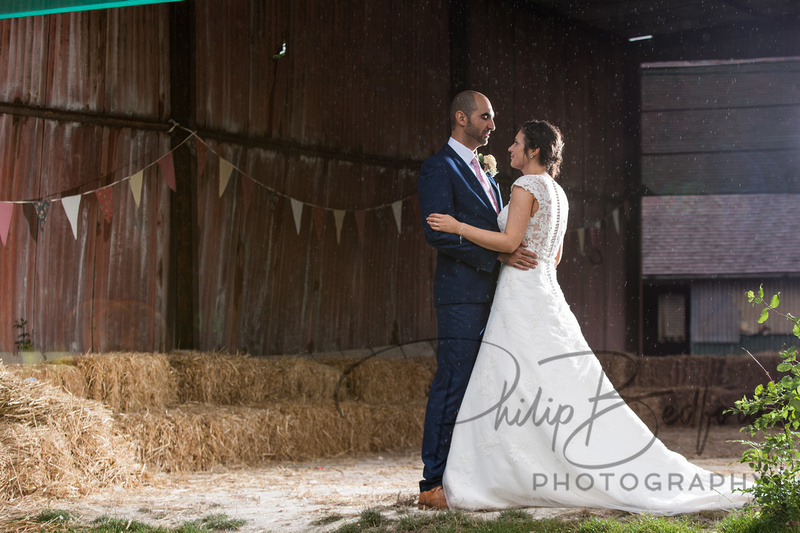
column 465, row 102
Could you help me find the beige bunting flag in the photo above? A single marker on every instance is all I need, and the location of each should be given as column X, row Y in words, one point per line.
column 136, row 186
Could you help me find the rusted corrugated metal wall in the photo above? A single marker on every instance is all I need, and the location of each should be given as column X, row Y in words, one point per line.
column 580, row 81
column 337, row 125
column 62, row 74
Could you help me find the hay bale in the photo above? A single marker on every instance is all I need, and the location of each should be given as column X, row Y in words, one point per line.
column 383, row 380
column 224, row 379
column 198, row 437
column 129, row 381
column 746, row 373
column 62, row 373
column 53, row 443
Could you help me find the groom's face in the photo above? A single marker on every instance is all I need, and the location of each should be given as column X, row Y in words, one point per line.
column 480, row 123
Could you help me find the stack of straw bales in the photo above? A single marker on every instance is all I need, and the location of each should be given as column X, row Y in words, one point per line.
column 686, row 390
column 55, row 444
column 191, row 411
column 188, row 410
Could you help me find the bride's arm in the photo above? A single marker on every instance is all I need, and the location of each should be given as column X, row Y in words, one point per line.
column 519, row 213
column 558, row 255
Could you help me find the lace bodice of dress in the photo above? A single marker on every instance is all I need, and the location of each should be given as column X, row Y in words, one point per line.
column 546, row 228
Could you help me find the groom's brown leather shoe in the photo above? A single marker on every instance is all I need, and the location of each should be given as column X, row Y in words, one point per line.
column 433, row 499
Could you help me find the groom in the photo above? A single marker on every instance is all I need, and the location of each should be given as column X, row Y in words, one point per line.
column 451, row 181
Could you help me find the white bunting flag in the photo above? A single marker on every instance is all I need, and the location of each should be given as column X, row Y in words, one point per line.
column 72, row 205
column 397, row 208
column 615, row 216
column 297, row 210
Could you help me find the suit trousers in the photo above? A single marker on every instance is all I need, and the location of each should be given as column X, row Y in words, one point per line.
column 460, row 328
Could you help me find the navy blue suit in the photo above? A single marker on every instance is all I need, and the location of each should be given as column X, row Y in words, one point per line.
column 463, row 288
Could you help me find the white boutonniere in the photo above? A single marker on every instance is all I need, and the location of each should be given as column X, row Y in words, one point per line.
column 488, row 164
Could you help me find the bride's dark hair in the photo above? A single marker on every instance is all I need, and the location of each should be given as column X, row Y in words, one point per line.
column 547, row 138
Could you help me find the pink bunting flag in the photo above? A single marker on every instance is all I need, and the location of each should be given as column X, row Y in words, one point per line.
column 594, row 236
column 41, row 207
column 319, row 217
column 415, row 205
column 105, row 197
column 360, row 214
column 167, row 166
column 247, row 191
column 6, row 210
column 201, row 149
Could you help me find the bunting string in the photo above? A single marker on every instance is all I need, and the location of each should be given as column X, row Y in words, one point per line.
column 71, row 204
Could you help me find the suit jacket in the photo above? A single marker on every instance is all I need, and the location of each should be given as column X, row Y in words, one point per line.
column 465, row 272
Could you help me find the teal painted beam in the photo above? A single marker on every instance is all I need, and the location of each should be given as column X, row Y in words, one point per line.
column 29, row 8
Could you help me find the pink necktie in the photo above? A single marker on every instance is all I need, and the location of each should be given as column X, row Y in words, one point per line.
column 485, row 182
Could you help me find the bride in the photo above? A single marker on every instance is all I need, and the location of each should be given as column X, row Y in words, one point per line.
column 540, row 424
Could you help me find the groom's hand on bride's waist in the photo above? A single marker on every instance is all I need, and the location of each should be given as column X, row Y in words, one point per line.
column 521, row 258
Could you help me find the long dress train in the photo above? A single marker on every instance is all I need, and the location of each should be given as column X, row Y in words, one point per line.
column 541, row 425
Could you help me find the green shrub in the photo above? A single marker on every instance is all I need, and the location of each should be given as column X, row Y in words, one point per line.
column 775, row 456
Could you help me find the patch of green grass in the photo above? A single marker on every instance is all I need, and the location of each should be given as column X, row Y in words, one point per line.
column 512, row 521
column 751, row 521
column 327, row 519
column 219, row 522
column 640, row 524
column 108, row 524
column 53, row 515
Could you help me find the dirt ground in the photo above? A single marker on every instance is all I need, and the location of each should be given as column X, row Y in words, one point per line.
column 290, row 497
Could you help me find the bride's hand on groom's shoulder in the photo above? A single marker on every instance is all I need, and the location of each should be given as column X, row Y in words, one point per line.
column 521, row 258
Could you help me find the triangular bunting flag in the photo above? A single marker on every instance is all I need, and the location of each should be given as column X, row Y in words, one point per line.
column 167, row 166
column 415, row 204
column 319, row 216
column 136, row 186
column 72, row 205
column 338, row 217
column 29, row 212
column 105, row 197
column 247, row 191
column 615, row 217
column 297, row 211
column 42, row 207
column 397, row 209
column 581, row 237
column 6, row 210
column 360, row 224
column 225, row 171
column 594, row 236
column 201, row 149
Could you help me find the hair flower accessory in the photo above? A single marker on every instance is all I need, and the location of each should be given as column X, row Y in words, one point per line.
column 488, row 163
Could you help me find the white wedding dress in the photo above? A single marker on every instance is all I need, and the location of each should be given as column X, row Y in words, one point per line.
column 541, row 425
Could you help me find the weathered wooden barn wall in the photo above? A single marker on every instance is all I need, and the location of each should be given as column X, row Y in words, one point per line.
column 63, row 77
column 585, row 83
column 339, row 123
